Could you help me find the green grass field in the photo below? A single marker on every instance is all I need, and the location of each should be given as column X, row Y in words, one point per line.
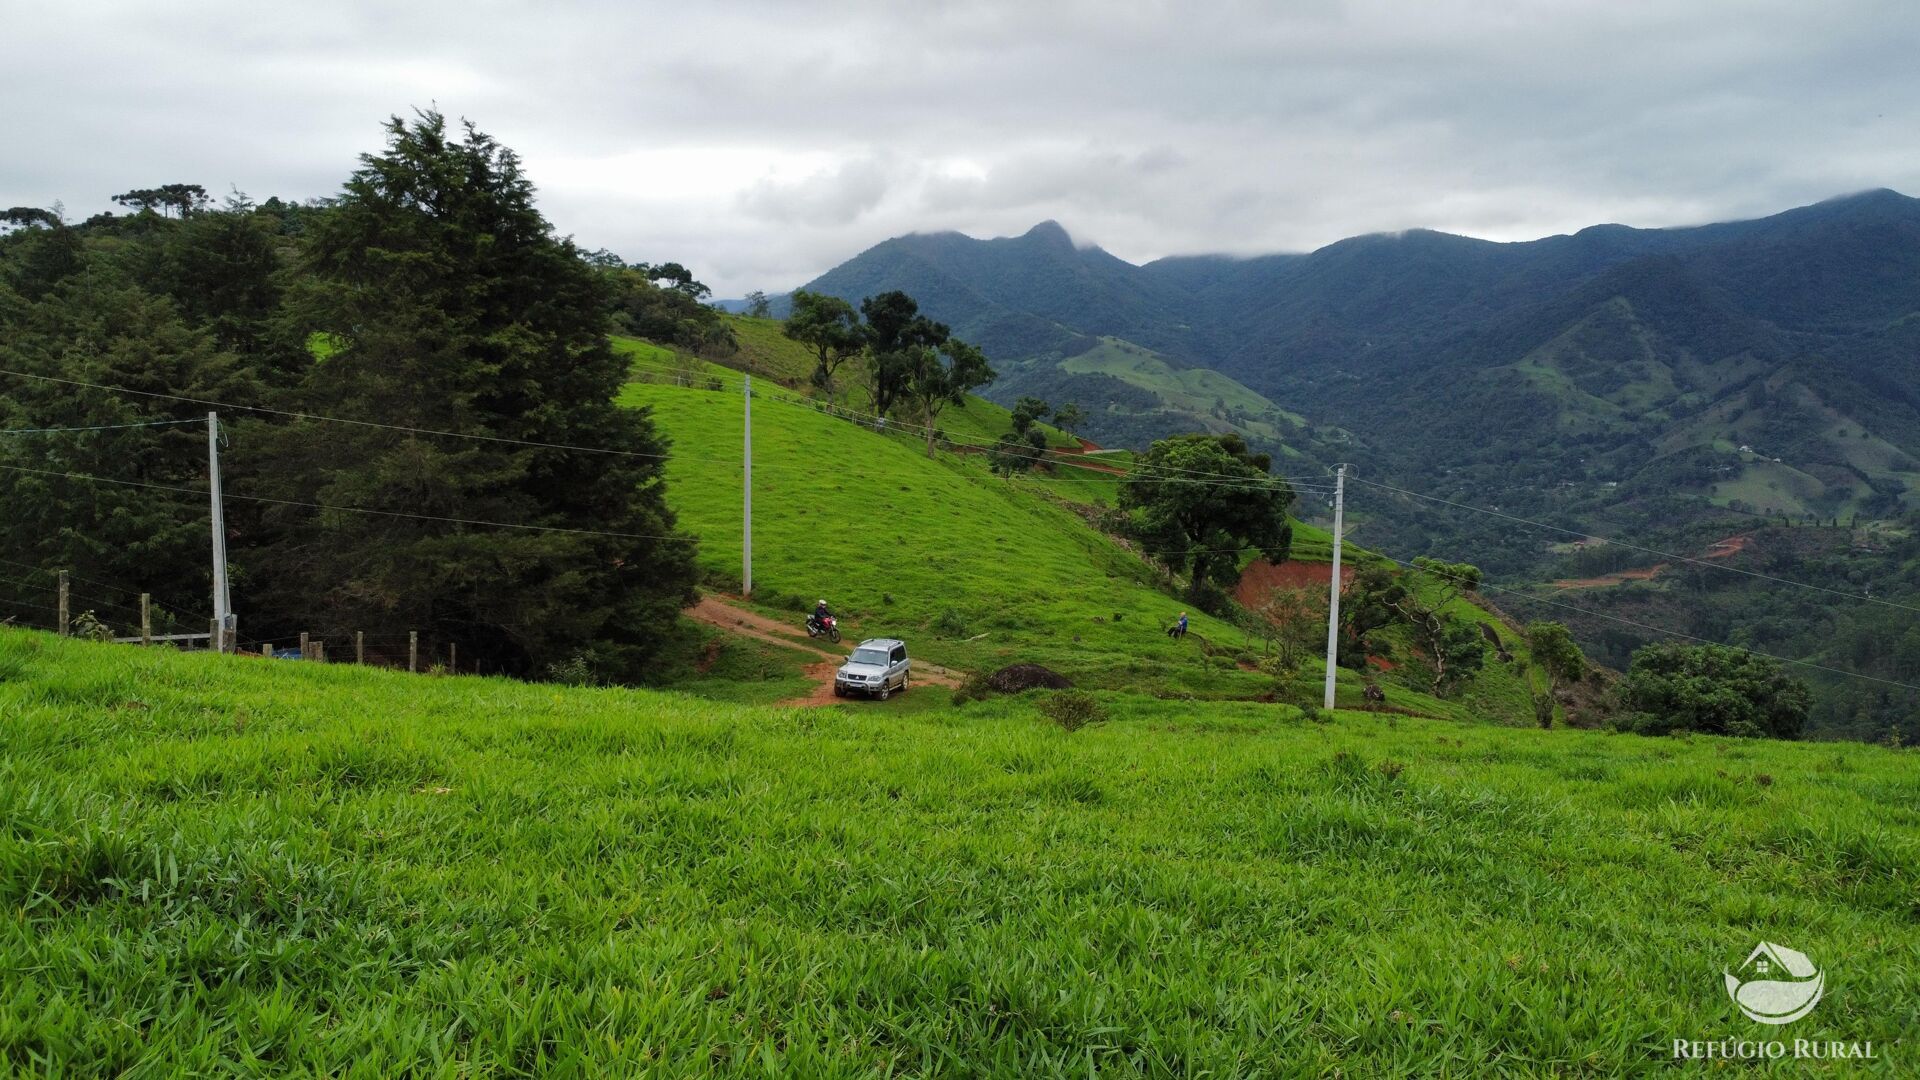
column 214, row 865
column 975, row 571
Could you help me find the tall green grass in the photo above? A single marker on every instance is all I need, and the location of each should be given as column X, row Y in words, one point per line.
column 226, row 865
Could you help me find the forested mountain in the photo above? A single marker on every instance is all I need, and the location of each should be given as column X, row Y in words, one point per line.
column 1671, row 384
column 1611, row 356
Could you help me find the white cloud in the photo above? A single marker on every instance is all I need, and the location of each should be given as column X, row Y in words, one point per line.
column 763, row 142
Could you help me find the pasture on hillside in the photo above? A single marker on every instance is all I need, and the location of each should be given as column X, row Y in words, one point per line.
column 232, row 865
column 977, row 571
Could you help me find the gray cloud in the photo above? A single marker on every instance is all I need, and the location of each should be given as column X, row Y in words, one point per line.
column 763, row 142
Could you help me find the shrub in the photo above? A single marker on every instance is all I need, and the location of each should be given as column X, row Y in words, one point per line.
column 974, row 688
column 574, row 670
column 87, row 625
column 1073, row 709
column 949, row 624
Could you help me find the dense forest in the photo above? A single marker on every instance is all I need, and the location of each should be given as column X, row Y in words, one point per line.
column 485, row 492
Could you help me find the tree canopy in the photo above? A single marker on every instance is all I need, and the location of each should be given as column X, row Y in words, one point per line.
column 430, row 294
column 1714, row 690
column 1198, row 501
column 830, row 327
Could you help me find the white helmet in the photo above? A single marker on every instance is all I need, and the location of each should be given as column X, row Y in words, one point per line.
column 823, row 603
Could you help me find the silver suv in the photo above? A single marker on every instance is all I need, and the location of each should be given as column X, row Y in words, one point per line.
column 877, row 667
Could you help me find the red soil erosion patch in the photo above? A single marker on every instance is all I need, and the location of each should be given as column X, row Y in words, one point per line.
column 1261, row 578
column 1731, row 546
column 1719, row 549
column 1644, row 573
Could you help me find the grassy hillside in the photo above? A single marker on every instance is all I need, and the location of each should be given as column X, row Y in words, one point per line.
column 766, row 352
column 214, row 865
column 976, row 572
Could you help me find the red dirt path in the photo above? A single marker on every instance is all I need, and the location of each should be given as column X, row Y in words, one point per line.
column 736, row 620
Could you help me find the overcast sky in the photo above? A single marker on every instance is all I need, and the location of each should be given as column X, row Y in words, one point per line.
column 763, row 143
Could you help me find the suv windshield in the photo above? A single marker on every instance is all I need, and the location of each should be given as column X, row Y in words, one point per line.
column 876, row 657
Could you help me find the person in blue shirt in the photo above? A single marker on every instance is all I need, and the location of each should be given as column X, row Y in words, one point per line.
column 1178, row 629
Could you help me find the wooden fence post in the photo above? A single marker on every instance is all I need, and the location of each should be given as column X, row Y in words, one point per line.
column 413, row 650
column 453, row 657
column 266, row 649
column 306, row 647
column 359, row 646
column 146, row 618
column 63, row 603
column 214, row 634
column 320, row 651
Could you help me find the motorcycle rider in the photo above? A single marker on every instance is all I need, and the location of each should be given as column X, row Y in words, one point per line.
column 821, row 615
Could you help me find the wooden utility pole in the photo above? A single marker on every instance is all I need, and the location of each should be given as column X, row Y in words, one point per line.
column 359, row 646
column 213, row 634
column 413, row 650
column 222, row 603
column 146, row 618
column 746, row 490
column 1333, row 600
column 63, row 603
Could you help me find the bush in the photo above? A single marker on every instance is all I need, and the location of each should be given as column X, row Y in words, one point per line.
column 1073, row 709
column 88, row 626
column 575, row 671
column 949, row 624
column 974, row 688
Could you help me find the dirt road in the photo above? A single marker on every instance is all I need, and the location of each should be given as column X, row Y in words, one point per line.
column 738, row 620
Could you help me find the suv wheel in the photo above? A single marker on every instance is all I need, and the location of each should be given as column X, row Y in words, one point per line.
column 884, row 691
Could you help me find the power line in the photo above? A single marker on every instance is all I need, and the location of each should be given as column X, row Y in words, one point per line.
column 331, row 419
column 909, row 427
column 1643, row 550
column 351, row 509
column 157, row 602
column 1655, row 629
column 96, row 427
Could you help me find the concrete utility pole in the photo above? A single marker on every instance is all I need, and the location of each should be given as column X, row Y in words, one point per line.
column 222, row 604
column 1333, row 591
column 746, row 527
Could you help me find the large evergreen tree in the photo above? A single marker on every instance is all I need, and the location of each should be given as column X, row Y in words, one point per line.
column 71, row 495
column 452, row 307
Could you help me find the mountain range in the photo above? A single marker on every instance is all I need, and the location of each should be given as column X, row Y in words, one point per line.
column 1765, row 366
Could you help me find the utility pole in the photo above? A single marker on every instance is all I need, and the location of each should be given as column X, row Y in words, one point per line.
column 222, row 604
column 1333, row 591
column 746, row 527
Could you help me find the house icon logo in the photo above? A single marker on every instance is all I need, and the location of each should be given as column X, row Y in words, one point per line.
column 1776, row 985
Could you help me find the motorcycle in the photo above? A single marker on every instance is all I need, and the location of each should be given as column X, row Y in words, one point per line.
column 828, row 628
